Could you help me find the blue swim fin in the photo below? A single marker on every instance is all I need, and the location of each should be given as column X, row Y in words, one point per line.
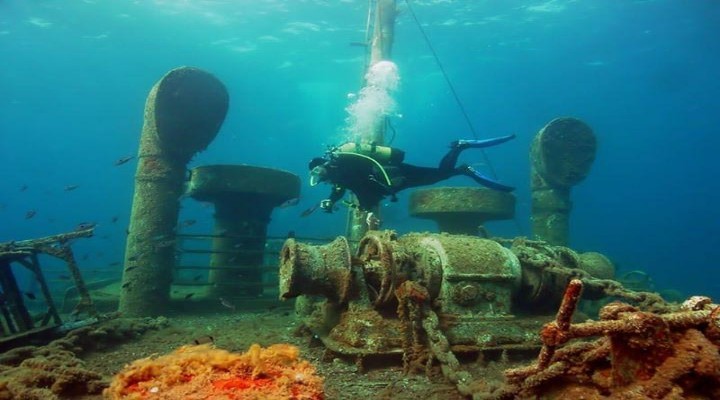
column 485, row 181
column 474, row 144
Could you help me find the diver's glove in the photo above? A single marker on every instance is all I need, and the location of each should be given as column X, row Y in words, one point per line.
column 326, row 205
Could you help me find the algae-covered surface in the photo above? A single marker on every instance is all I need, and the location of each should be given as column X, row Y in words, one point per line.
column 237, row 331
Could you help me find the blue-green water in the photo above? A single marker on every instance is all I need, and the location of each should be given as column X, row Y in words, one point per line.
column 74, row 76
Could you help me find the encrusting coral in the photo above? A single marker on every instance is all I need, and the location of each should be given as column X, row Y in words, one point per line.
column 54, row 371
column 641, row 355
column 203, row 372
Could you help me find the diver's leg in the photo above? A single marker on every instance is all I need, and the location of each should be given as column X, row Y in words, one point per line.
column 450, row 159
column 482, row 179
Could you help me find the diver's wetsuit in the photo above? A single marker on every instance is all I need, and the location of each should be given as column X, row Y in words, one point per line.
column 365, row 178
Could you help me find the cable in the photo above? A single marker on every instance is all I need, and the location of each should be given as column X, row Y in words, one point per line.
column 457, row 100
column 452, row 88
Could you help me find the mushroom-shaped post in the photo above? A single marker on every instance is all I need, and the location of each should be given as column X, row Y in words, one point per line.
column 244, row 197
column 561, row 156
column 462, row 210
column 183, row 114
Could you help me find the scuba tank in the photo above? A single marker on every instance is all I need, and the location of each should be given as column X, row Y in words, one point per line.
column 381, row 154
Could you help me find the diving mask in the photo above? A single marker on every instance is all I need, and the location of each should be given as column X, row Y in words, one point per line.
column 317, row 175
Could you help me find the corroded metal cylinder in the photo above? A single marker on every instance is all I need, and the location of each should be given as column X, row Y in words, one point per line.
column 386, row 265
column 547, row 270
column 316, row 270
column 462, row 210
column 244, row 197
column 597, row 265
column 478, row 275
column 561, row 156
column 469, row 274
column 183, row 114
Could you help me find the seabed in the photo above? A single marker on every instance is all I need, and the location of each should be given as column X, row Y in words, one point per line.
column 449, row 315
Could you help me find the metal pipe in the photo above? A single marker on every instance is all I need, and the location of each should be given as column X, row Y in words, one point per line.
column 183, row 114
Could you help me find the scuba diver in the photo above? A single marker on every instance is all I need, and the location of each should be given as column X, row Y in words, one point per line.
column 373, row 172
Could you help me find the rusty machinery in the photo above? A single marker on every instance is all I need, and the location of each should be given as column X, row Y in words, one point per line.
column 486, row 296
column 17, row 325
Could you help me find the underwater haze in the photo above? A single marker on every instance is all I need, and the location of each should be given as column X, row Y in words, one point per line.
column 74, row 76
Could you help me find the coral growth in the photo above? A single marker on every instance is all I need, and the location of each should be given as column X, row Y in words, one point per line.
column 54, row 371
column 202, row 372
column 46, row 373
column 641, row 355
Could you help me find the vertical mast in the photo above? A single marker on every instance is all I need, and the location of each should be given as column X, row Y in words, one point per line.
column 380, row 49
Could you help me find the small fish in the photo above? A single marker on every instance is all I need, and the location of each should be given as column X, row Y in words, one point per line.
column 130, row 268
column 114, row 219
column 30, row 214
column 197, row 278
column 206, row 339
column 123, row 160
column 188, row 222
column 289, row 203
column 23, row 188
column 291, row 235
column 189, row 295
column 69, row 188
column 358, row 44
column 114, row 263
column 30, row 295
column 226, row 303
column 309, row 210
column 85, row 256
column 85, row 225
column 125, row 285
column 237, row 245
column 63, row 277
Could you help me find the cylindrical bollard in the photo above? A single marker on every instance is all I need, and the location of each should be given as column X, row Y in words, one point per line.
column 316, row 270
column 183, row 114
column 462, row 210
column 244, row 197
column 561, row 156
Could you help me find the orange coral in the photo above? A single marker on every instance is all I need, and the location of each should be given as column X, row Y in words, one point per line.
column 202, row 372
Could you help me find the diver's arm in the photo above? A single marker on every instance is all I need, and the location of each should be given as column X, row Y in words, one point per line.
column 337, row 193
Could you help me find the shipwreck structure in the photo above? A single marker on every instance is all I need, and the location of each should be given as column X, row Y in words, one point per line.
column 183, row 113
column 17, row 324
column 486, row 296
column 561, row 156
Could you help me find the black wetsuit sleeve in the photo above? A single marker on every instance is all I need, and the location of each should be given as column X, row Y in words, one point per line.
column 336, row 194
